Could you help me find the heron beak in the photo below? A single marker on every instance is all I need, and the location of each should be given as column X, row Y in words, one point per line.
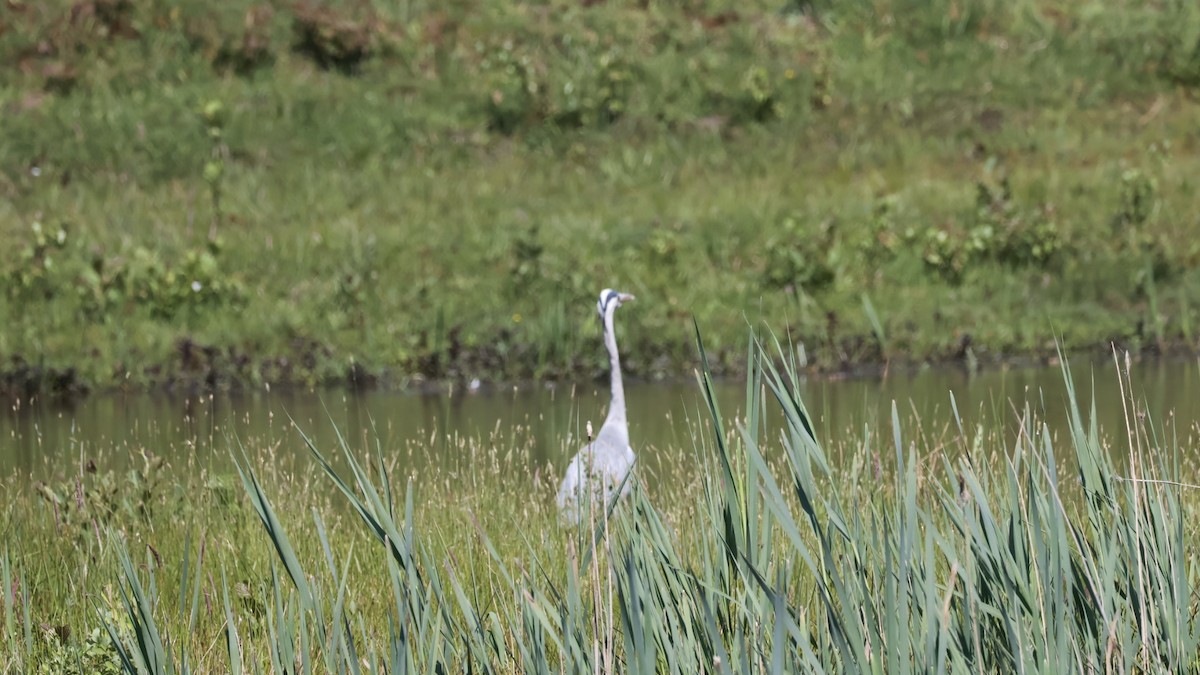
column 625, row 297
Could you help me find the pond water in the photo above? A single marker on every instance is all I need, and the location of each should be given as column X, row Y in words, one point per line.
column 41, row 439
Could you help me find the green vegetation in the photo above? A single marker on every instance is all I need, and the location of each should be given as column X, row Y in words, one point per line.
column 235, row 192
column 983, row 550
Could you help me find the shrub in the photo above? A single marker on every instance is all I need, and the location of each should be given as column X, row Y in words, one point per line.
column 95, row 655
column 251, row 50
column 1137, row 200
column 944, row 254
column 331, row 40
column 38, row 271
column 883, row 237
column 570, row 81
column 1180, row 46
column 799, row 259
column 1006, row 231
column 164, row 289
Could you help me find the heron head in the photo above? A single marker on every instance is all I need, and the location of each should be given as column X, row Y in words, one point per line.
column 610, row 297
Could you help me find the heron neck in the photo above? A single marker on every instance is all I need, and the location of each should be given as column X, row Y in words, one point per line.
column 616, row 411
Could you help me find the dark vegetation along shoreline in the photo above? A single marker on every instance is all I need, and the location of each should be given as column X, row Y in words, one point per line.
column 200, row 194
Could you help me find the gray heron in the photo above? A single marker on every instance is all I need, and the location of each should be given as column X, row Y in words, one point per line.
column 600, row 468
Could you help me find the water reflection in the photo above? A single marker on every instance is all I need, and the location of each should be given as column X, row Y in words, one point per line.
column 41, row 438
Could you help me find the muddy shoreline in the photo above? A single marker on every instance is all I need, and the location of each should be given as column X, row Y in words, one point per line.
column 199, row 369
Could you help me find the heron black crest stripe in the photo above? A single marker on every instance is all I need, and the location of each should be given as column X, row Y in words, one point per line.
column 606, row 298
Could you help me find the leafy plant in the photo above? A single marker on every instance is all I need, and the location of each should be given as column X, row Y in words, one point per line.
column 526, row 265
column 799, row 258
column 883, row 235
column 1137, row 200
column 1011, row 233
column 86, row 505
column 1000, row 229
column 195, row 283
column 755, row 99
column 38, row 270
column 94, row 655
column 573, row 82
column 944, row 254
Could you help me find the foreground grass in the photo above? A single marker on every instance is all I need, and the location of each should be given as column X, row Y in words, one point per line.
column 978, row 552
column 883, row 180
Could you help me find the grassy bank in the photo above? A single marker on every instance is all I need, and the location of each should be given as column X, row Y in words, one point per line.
column 977, row 551
column 409, row 191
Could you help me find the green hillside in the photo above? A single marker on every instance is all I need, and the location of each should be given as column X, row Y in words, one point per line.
column 236, row 193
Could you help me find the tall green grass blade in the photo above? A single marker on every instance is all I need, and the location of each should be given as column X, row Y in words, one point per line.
column 734, row 519
column 197, row 583
column 275, row 531
column 8, row 601
column 232, row 642
column 26, row 621
column 149, row 654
